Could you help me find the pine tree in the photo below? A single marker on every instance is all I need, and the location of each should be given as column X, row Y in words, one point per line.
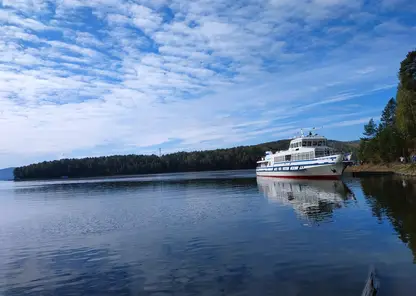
column 370, row 129
column 388, row 116
column 407, row 72
column 406, row 99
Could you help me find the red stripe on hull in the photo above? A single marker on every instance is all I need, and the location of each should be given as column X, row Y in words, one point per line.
column 327, row 177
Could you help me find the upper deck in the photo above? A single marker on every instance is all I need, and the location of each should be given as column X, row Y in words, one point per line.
column 307, row 141
column 300, row 148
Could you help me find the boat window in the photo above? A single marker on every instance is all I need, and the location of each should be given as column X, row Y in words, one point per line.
column 314, row 143
column 309, row 143
column 287, row 157
column 303, row 144
column 279, row 158
column 320, row 143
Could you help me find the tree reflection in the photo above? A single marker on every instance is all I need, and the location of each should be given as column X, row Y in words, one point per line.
column 394, row 199
column 312, row 199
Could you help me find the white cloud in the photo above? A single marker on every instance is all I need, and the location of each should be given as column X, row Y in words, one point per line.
column 395, row 4
column 26, row 6
column 88, row 40
column 393, row 26
column 9, row 17
column 78, row 75
column 359, row 121
column 117, row 19
column 145, row 18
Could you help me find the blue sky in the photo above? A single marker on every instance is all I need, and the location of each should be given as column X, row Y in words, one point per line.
column 100, row 77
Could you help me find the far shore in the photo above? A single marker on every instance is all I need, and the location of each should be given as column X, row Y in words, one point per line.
column 127, row 176
column 404, row 169
column 356, row 170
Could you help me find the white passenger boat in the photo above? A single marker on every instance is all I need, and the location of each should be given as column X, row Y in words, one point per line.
column 308, row 157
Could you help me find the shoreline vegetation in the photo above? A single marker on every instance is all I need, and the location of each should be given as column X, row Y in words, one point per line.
column 403, row 169
column 237, row 158
column 390, row 145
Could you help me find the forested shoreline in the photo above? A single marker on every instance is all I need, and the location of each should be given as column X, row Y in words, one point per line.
column 243, row 157
column 394, row 137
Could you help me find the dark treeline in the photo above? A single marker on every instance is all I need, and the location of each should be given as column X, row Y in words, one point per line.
column 395, row 135
column 243, row 157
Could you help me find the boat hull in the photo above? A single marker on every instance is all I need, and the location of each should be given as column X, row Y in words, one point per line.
column 331, row 171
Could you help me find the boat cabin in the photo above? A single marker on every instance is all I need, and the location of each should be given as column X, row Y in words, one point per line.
column 306, row 148
column 300, row 149
column 308, row 142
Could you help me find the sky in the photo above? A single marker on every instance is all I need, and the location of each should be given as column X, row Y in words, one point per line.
column 102, row 77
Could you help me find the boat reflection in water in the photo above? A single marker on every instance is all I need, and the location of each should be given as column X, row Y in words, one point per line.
column 314, row 200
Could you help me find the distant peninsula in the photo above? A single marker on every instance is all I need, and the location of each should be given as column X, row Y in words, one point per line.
column 6, row 174
column 242, row 157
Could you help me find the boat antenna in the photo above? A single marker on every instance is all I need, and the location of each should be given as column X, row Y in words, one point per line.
column 317, row 129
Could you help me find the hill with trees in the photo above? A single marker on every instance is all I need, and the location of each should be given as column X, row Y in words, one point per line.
column 395, row 135
column 6, row 174
column 243, row 157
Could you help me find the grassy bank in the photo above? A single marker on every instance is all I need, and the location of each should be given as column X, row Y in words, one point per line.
column 396, row 168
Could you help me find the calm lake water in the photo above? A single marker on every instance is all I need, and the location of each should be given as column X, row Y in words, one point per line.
column 222, row 233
